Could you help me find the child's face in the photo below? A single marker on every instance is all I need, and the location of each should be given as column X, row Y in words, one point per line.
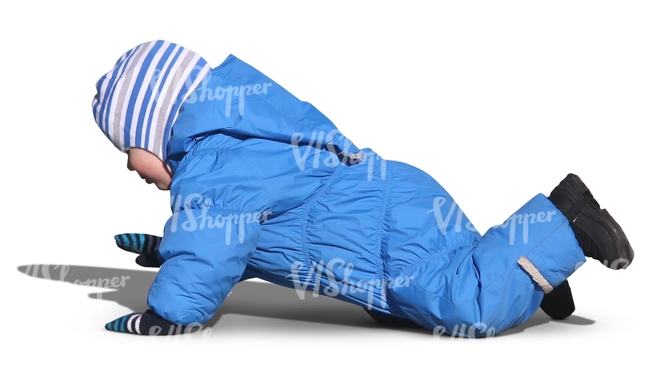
column 149, row 167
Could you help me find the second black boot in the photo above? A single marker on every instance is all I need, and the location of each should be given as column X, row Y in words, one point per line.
column 558, row 304
column 598, row 234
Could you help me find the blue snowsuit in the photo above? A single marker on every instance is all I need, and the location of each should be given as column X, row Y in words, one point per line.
column 264, row 185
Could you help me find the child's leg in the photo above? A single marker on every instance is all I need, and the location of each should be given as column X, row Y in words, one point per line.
column 498, row 281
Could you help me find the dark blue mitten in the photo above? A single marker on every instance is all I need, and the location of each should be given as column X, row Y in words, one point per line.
column 147, row 323
column 145, row 245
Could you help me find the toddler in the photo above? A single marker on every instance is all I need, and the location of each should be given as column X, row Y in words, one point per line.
column 264, row 186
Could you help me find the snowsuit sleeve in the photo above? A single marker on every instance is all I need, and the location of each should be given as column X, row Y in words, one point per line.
column 218, row 207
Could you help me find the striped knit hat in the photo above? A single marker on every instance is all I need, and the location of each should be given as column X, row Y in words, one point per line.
column 138, row 100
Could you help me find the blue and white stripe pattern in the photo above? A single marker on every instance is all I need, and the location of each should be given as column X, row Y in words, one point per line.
column 146, row 324
column 138, row 100
column 126, row 324
column 145, row 245
column 138, row 243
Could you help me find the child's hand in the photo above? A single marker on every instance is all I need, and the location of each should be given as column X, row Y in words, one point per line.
column 147, row 323
column 145, row 245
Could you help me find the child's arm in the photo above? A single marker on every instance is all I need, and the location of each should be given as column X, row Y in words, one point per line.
column 217, row 205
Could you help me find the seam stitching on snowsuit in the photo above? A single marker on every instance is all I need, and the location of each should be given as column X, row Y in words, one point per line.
column 199, row 151
column 307, row 211
column 382, row 233
column 283, row 113
column 407, row 270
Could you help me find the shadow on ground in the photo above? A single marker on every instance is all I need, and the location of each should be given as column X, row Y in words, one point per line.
column 248, row 298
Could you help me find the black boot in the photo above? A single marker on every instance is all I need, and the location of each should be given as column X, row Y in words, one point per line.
column 558, row 304
column 598, row 234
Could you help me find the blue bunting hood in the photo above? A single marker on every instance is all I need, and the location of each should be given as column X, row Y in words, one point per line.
column 236, row 99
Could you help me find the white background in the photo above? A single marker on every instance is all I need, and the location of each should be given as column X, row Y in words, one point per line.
column 497, row 100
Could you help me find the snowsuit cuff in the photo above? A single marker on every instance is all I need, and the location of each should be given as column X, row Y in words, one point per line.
column 535, row 274
column 557, row 253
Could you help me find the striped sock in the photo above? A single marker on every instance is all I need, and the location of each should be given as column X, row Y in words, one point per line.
column 145, row 245
column 147, row 323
